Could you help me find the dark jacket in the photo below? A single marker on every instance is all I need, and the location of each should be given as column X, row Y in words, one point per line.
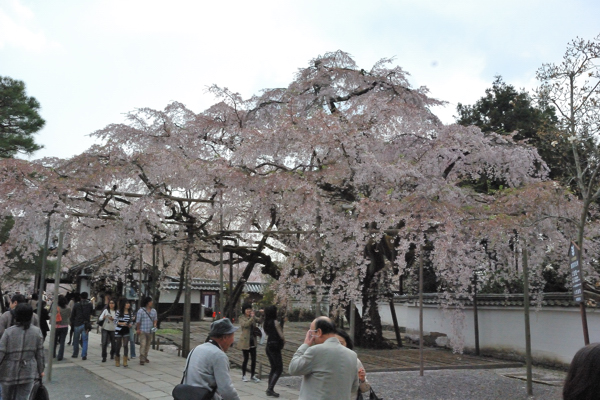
column 81, row 312
column 44, row 321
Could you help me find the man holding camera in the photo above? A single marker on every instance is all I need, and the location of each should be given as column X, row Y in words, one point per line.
column 147, row 319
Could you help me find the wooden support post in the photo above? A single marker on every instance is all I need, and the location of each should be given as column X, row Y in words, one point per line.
column 475, row 315
column 421, row 361
column 395, row 321
column 231, row 307
column 527, row 325
column 352, row 321
column 584, row 324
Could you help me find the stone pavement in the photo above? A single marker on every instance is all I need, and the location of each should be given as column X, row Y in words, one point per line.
column 157, row 379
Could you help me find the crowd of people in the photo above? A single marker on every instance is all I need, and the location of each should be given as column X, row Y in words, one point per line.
column 23, row 332
column 329, row 367
column 326, row 361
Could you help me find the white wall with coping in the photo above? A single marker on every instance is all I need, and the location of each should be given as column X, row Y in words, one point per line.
column 168, row 296
column 556, row 332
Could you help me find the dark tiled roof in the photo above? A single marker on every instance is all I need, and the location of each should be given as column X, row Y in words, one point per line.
column 211, row 284
column 502, row 300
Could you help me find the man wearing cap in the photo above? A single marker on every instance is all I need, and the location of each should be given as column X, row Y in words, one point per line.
column 209, row 365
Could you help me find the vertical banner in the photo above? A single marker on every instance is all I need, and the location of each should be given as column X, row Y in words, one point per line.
column 576, row 276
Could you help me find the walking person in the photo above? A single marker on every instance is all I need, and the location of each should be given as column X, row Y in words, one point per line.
column 132, row 333
column 147, row 319
column 63, row 320
column 108, row 317
column 132, row 340
column 74, row 299
column 275, row 343
column 247, row 343
column 328, row 369
column 21, row 355
column 8, row 318
column 80, row 316
column 208, row 365
column 43, row 318
column 123, row 327
column 364, row 385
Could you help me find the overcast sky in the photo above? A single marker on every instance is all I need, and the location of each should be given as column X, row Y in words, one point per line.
column 89, row 62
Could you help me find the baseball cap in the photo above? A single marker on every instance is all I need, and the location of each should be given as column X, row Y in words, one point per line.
column 222, row 327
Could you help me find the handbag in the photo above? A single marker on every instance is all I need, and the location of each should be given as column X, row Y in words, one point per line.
column 372, row 396
column 256, row 332
column 39, row 391
column 189, row 392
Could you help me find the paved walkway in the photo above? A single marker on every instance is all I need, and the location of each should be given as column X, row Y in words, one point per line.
column 157, row 379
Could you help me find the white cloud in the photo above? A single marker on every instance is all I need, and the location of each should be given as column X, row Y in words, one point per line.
column 17, row 28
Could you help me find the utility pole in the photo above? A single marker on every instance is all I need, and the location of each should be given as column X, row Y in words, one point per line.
column 421, row 361
column 42, row 284
column 475, row 314
column 61, row 236
column 527, row 325
column 187, row 304
column 221, row 294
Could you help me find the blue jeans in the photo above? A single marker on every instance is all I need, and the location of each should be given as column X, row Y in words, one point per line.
column 131, row 344
column 61, row 336
column 80, row 330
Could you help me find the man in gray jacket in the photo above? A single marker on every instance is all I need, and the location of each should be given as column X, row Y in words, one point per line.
column 329, row 370
column 208, row 365
column 8, row 318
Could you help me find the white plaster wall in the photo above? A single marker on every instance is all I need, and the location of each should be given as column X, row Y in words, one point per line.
column 556, row 332
column 168, row 296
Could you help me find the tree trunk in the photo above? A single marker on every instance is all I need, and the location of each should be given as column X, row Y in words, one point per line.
column 368, row 327
column 164, row 315
column 239, row 286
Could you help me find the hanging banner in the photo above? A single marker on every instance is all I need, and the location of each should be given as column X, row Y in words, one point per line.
column 576, row 276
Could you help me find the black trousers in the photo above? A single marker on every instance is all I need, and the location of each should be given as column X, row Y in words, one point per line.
column 251, row 352
column 108, row 337
column 274, row 354
column 122, row 341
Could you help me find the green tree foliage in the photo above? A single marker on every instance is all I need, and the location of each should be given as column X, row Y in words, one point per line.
column 19, row 119
column 505, row 110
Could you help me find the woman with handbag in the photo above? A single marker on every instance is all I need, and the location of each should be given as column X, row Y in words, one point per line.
column 107, row 321
column 123, row 326
column 21, row 356
column 364, row 386
column 247, row 342
column 63, row 317
column 275, row 343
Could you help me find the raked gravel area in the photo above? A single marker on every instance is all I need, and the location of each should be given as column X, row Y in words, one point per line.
column 452, row 385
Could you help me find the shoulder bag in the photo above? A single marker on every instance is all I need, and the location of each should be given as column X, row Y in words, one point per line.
column 101, row 321
column 370, row 396
column 39, row 391
column 189, row 392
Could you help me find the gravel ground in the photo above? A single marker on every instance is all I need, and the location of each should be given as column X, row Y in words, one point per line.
column 449, row 385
